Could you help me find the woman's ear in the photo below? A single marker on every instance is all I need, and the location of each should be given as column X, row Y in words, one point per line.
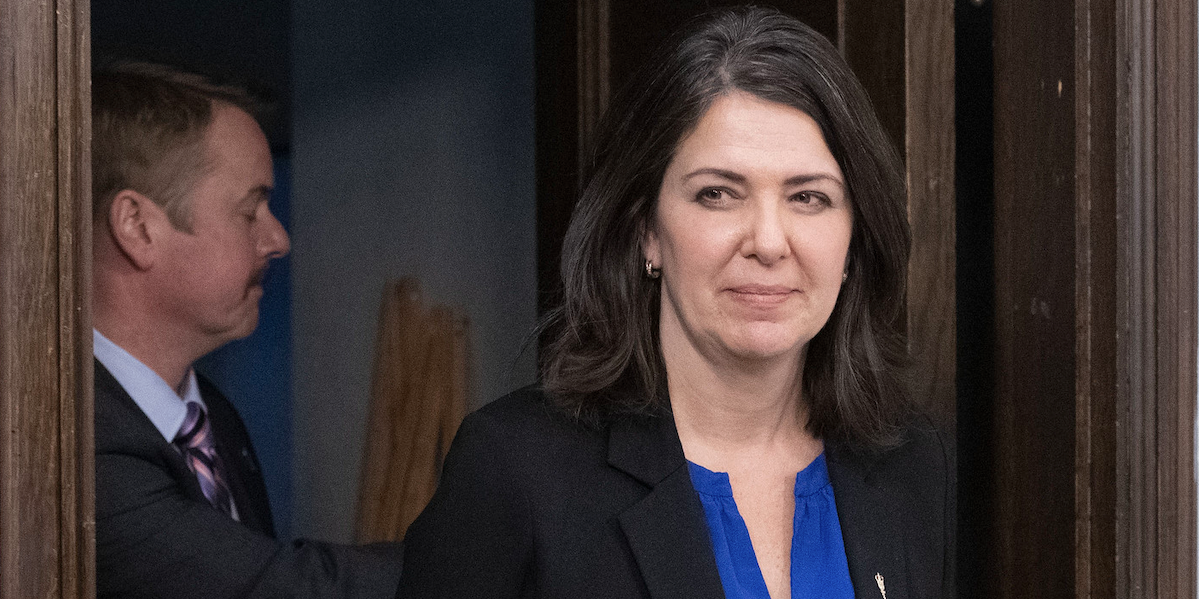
column 650, row 246
column 135, row 223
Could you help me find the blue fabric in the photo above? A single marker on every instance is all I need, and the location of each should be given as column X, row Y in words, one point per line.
column 818, row 564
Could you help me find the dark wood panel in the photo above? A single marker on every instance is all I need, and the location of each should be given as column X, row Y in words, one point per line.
column 929, row 147
column 1032, row 554
column 639, row 27
column 46, row 529
column 1095, row 299
column 873, row 42
column 1177, row 103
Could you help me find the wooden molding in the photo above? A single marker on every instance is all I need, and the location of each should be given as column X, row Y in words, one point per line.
column 46, row 456
column 1156, row 274
column 1032, row 466
column 908, row 71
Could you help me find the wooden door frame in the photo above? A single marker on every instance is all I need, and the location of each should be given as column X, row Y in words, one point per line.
column 1113, row 87
column 47, row 522
column 1156, row 105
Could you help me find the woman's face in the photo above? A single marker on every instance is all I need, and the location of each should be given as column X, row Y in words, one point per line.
column 751, row 232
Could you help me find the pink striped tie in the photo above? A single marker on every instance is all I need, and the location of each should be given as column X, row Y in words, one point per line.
column 196, row 442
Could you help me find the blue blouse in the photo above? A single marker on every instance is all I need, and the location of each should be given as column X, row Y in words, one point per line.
column 818, row 564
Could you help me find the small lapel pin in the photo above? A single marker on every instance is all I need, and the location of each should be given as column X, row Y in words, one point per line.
column 882, row 588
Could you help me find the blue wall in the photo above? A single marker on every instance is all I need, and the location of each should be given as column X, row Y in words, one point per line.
column 412, row 149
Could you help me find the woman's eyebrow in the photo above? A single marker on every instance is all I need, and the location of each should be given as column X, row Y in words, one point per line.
column 804, row 179
column 719, row 172
column 739, row 178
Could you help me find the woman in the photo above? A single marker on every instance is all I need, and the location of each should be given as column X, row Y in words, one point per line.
column 722, row 408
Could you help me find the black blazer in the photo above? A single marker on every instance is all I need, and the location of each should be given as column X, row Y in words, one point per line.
column 157, row 535
column 532, row 505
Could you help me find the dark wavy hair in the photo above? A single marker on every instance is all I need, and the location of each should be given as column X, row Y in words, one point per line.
column 602, row 357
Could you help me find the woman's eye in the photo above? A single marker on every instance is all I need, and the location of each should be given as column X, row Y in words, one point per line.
column 810, row 198
column 712, row 195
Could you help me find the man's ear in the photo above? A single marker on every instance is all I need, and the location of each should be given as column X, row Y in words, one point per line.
column 136, row 225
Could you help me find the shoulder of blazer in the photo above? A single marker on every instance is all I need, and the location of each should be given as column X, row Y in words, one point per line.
column 644, row 447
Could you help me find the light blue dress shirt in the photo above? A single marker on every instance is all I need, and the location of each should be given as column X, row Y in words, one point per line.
column 161, row 404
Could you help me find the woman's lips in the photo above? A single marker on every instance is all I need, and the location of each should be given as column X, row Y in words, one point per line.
column 762, row 294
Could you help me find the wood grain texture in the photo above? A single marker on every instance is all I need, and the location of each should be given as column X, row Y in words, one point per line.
column 46, row 525
column 1157, row 111
column 1156, row 153
column 594, row 55
column 1095, row 299
column 418, row 399
column 903, row 52
column 929, row 147
column 1032, row 554
column 1178, row 135
column 76, row 447
column 874, row 46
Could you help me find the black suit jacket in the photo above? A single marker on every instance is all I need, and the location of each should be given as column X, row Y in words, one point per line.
column 157, row 535
column 531, row 505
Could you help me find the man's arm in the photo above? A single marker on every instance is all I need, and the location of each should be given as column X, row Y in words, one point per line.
column 154, row 538
column 153, row 541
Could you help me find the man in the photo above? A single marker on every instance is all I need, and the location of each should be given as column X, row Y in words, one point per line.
column 182, row 238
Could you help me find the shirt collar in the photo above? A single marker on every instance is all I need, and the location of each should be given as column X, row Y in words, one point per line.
column 161, row 404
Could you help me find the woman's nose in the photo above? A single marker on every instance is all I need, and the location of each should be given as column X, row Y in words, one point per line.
column 766, row 236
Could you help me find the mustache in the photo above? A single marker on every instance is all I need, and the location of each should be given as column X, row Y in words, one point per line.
column 260, row 276
column 264, row 274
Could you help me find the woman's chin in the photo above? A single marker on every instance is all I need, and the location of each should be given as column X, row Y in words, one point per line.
column 765, row 347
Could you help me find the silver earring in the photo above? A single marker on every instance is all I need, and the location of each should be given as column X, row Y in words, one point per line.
column 844, row 277
column 650, row 271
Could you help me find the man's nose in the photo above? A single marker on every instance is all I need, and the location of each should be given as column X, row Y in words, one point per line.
column 275, row 242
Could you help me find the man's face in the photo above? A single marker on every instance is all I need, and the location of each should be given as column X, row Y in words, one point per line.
column 211, row 277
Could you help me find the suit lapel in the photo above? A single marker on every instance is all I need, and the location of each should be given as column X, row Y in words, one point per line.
column 134, row 428
column 242, row 472
column 871, row 528
column 666, row 529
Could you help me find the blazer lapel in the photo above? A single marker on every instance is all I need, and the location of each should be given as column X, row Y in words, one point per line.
column 666, row 530
column 870, row 526
column 134, row 431
column 242, row 473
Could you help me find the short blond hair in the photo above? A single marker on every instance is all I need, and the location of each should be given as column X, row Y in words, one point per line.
column 148, row 126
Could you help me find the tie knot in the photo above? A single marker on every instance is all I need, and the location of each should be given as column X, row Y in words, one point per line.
column 194, row 430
